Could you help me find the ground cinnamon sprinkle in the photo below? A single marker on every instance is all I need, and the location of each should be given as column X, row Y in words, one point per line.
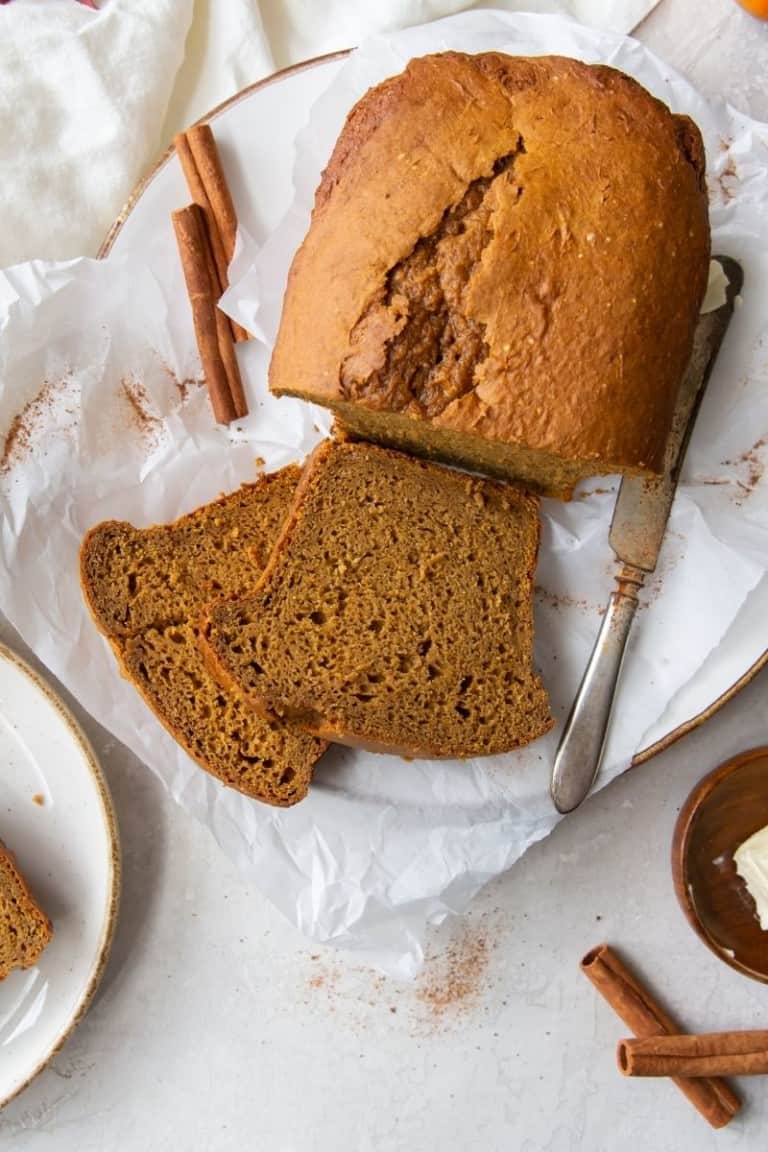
column 448, row 989
column 563, row 601
column 754, row 467
column 324, row 975
column 145, row 421
column 323, row 982
column 28, row 422
column 452, row 981
column 184, row 387
column 136, row 395
column 16, row 443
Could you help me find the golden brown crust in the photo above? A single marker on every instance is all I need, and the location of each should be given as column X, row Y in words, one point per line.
column 25, row 930
column 292, row 752
column 577, row 265
column 145, row 589
column 256, row 508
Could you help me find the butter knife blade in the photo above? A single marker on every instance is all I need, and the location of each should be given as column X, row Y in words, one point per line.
column 642, row 506
column 637, row 530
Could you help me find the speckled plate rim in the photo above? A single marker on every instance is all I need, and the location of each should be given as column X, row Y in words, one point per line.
column 663, row 742
column 113, row 900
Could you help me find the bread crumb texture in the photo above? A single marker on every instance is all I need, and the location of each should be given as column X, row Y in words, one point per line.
column 396, row 610
column 147, row 589
column 25, row 930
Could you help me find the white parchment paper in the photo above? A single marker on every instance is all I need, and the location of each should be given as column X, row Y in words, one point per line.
column 104, row 416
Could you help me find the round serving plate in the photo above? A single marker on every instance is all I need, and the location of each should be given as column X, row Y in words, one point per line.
column 56, row 817
column 255, row 130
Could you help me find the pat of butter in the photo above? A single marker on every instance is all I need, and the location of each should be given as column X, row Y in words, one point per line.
column 715, row 296
column 751, row 861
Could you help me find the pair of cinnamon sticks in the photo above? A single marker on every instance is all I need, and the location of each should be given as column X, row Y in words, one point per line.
column 205, row 234
column 695, row 1063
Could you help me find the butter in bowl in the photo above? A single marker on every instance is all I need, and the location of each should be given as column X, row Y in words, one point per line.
column 720, row 862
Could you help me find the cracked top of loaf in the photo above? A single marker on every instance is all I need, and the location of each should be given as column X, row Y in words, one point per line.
column 504, row 268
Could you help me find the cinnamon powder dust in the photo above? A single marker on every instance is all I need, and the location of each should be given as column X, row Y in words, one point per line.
column 143, row 418
column 184, row 387
column 753, row 464
column 562, row 601
column 453, row 980
column 49, row 408
column 27, row 424
column 451, row 986
column 457, row 977
column 753, row 469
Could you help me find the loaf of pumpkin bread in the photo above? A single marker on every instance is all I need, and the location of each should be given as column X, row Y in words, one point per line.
column 395, row 612
column 146, row 589
column 504, row 269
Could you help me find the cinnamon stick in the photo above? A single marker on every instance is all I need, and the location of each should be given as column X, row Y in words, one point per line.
column 208, row 188
column 214, row 339
column 641, row 1012
column 229, row 359
column 208, row 163
column 710, row 1054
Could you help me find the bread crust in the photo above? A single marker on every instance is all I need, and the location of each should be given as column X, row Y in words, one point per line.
column 132, row 639
column 29, row 910
column 583, row 290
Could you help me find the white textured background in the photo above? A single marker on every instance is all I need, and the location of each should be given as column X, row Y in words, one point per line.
column 218, row 1029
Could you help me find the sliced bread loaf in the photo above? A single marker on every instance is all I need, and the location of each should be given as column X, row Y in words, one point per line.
column 395, row 612
column 25, row 930
column 146, row 589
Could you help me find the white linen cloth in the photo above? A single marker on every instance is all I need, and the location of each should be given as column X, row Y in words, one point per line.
column 88, row 99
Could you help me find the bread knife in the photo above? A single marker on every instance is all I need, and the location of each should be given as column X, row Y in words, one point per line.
column 637, row 530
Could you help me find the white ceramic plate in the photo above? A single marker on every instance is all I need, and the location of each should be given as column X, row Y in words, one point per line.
column 56, row 816
column 259, row 166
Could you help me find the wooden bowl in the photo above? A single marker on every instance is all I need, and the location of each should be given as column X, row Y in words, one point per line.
column 722, row 811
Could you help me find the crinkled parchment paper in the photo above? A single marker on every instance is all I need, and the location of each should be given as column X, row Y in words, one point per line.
column 104, row 416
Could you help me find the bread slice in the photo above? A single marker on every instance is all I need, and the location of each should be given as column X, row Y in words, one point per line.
column 395, row 612
column 146, row 589
column 152, row 577
column 25, row 930
column 504, row 269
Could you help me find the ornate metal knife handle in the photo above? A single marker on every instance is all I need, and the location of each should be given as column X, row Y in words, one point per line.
column 582, row 744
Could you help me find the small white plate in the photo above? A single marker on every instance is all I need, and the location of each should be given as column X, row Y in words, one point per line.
column 56, row 816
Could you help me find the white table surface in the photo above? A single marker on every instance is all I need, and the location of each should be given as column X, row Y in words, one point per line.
column 218, row 1028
